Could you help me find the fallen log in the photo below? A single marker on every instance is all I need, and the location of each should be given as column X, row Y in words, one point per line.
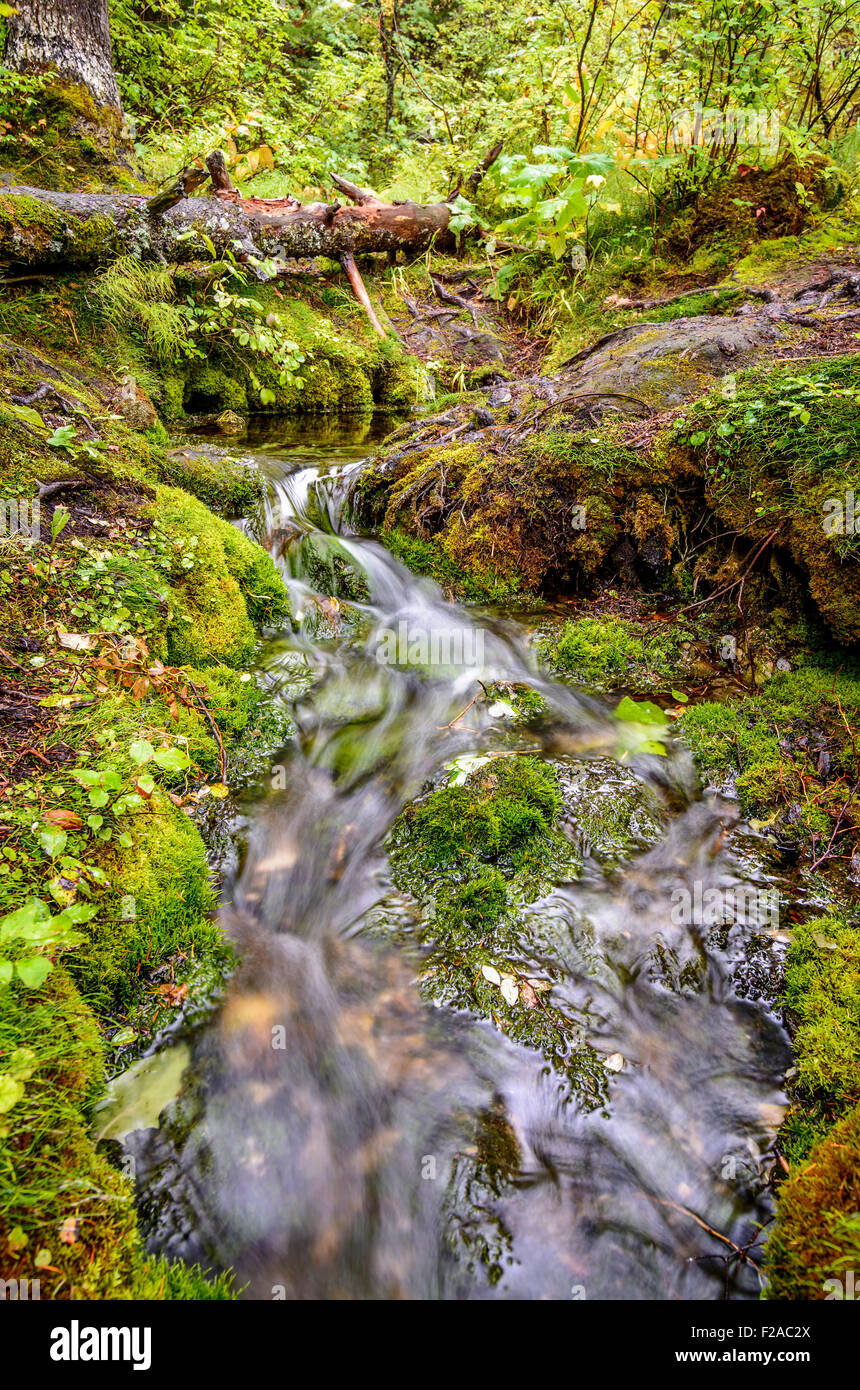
column 46, row 229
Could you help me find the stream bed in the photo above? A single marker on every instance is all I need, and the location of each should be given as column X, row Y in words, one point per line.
column 334, row 1131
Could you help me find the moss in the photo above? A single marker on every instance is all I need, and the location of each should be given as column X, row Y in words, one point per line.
column 475, row 855
column 166, row 873
column 49, row 1171
column 162, row 1279
column 229, row 486
column 503, row 815
column 609, row 652
column 822, row 999
column 789, row 748
column 817, row 1234
column 32, row 232
column 546, row 520
column 400, row 384
column 231, row 584
column 430, row 557
column 343, row 369
column 157, row 556
column 754, row 205
column 55, row 135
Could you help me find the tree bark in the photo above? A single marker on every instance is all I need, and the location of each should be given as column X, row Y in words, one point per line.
column 72, row 36
column 80, row 230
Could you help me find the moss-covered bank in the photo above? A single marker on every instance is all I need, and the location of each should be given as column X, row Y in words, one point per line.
column 124, row 705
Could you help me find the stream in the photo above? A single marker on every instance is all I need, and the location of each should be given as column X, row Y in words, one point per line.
column 336, row 1133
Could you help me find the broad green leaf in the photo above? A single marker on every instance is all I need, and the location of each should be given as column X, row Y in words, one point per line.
column 140, row 751
column 53, row 842
column 172, row 759
column 640, row 712
column 32, row 971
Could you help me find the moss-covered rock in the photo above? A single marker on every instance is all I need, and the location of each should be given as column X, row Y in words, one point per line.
column 545, row 518
column 750, row 205
column 230, row 584
column 606, row 653
column 779, row 456
column 787, row 749
column 475, row 853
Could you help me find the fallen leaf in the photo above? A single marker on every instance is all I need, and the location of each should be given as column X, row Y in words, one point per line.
column 614, row 1062
column 174, row 994
column 542, row 986
column 77, row 641
column 490, row 973
column 530, row 999
column 509, row 990
column 69, row 1230
column 67, row 820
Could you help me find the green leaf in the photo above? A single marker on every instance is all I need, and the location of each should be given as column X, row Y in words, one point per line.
column 34, row 910
column 53, row 842
column 172, row 759
column 62, row 437
column 87, row 777
column 59, row 521
column 462, row 767
column 11, row 1091
column 5, row 971
column 32, row 971
column 640, row 712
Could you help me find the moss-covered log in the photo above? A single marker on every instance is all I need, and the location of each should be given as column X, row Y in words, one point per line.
column 42, row 229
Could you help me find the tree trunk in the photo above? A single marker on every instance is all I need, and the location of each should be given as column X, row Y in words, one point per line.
column 72, row 36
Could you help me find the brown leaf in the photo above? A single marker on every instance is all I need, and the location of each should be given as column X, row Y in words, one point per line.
column 529, row 997
column 174, row 994
column 66, row 820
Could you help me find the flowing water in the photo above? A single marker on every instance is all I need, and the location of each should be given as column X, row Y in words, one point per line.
column 337, row 1134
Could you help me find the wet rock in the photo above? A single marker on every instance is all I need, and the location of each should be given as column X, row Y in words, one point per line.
column 664, row 364
column 135, row 407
